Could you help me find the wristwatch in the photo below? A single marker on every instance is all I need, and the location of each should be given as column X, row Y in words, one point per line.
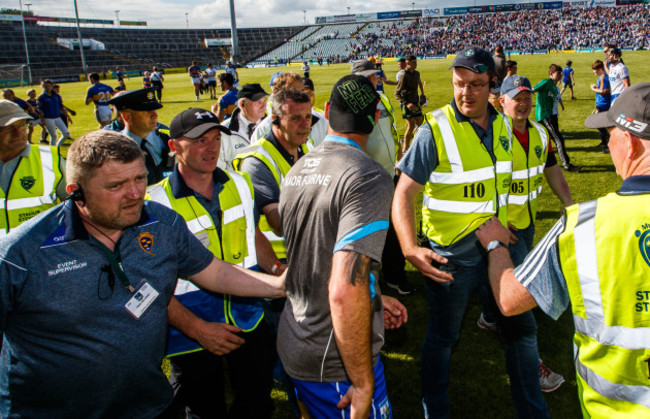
column 494, row 244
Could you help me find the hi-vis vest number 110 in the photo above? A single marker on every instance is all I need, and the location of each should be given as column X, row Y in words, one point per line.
column 467, row 187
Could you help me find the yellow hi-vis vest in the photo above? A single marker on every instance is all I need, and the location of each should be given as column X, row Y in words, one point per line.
column 527, row 177
column 391, row 116
column 265, row 151
column 32, row 189
column 605, row 259
column 467, row 187
column 236, row 246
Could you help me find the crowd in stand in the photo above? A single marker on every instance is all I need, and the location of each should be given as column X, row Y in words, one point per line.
column 524, row 31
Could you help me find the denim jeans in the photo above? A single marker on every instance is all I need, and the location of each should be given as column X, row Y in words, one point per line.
column 447, row 304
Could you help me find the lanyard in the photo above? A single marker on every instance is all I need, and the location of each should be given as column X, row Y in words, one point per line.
column 116, row 263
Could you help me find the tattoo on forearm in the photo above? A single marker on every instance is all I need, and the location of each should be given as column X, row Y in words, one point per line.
column 357, row 266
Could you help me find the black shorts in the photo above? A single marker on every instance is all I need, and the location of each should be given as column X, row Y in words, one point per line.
column 408, row 114
column 157, row 84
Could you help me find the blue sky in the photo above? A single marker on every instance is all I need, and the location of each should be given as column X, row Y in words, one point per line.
column 216, row 14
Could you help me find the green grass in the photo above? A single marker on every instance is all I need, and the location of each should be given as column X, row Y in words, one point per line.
column 479, row 384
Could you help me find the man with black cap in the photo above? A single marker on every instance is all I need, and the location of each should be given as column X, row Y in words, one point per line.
column 383, row 143
column 219, row 210
column 598, row 258
column 462, row 157
column 138, row 111
column 251, row 108
column 335, row 206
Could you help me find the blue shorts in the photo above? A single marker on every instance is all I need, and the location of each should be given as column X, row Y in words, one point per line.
column 321, row 398
column 212, row 83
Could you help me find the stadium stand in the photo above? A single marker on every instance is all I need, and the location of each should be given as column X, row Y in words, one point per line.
column 131, row 49
column 537, row 31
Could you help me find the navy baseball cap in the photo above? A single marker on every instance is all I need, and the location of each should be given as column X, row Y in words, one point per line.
column 193, row 123
column 514, row 85
column 137, row 100
column 475, row 59
column 353, row 105
column 630, row 112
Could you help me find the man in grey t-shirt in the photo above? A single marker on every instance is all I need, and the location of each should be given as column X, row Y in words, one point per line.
column 335, row 201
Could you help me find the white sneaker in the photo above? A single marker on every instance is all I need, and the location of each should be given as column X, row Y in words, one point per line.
column 549, row 380
column 484, row 324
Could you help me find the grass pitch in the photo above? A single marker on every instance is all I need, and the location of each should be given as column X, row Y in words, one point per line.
column 479, row 383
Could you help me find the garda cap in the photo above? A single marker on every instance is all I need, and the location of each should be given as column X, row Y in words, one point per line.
column 137, row 100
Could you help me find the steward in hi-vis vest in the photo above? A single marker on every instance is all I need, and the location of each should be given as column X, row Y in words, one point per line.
column 30, row 175
column 597, row 258
column 461, row 159
column 218, row 208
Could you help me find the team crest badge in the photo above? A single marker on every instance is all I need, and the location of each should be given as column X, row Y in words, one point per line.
column 145, row 240
column 644, row 243
column 504, row 143
column 538, row 151
column 27, row 182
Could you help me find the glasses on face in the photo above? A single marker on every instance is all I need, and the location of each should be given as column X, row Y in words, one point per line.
column 472, row 87
column 16, row 126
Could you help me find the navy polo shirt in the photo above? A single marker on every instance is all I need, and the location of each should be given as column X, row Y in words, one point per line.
column 50, row 105
column 70, row 347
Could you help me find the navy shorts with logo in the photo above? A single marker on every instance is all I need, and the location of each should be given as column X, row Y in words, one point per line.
column 408, row 114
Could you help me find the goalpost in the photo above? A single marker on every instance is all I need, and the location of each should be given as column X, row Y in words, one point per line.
column 14, row 73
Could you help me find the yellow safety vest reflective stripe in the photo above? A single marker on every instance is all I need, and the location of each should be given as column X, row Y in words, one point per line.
column 527, row 174
column 467, row 187
column 266, row 152
column 32, row 189
column 610, row 300
column 236, row 246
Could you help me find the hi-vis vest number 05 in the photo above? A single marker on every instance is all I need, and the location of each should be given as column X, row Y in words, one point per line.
column 467, row 187
column 236, row 246
column 266, row 152
column 527, row 174
column 605, row 259
column 32, row 189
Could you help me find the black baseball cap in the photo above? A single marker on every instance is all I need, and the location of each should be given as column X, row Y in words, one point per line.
column 137, row 100
column 514, row 85
column 193, row 123
column 352, row 105
column 630, row 112
column 252, row 91
column 475, row 59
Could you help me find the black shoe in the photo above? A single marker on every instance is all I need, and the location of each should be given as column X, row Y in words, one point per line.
column 403, row 288
column 572, row 168
column 605, row 150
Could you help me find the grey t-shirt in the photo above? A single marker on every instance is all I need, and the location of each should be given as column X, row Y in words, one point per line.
column 335, row 198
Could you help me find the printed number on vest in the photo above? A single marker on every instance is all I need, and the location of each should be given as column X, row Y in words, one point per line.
column 517, row 187
column 474, row 190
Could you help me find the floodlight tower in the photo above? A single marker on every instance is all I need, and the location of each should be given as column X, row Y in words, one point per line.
column 22, row 20
column 233, row 33
column 81, row 44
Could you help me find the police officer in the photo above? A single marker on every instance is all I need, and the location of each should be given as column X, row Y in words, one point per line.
column 596, row 257
column 382, row 147
column 138, row 111
column 219, row 210
column 85, row 335
column 462, row 157
column 251, row 108
column 31, row 176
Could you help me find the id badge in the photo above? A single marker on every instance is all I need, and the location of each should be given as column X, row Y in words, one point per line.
column 141, row 300
column 203, row 238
